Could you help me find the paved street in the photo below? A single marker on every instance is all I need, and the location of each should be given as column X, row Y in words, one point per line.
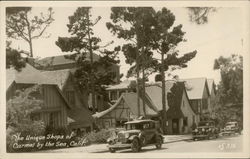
column 222, row 144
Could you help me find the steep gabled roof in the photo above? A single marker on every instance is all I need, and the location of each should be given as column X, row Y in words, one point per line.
column 123, row 85
column 112, row 107
column 211, row 85
column 58, row 77
column 80, row 115
column 130, row 100
column 174, row 93
column 62, row 59
column 195, row 87
column 27, row 75
column 175, row 101
column 154, row 91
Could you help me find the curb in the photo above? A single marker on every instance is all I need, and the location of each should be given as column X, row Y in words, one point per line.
column 166, row 142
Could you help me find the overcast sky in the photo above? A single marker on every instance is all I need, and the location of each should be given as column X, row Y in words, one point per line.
column 222, row 36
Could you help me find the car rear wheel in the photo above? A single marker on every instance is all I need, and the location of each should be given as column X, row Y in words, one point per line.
column 158, row 142
column 135, row 146
column 111, row 150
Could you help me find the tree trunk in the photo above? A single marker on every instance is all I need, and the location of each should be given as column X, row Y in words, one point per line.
column 92, row 89
column 137, row 81
column 143, row 82
column 31, row 48
column 143, row 92
column 164, row 118
column 29, row 34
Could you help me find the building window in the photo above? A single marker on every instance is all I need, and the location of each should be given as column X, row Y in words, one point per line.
column 185, row 121
column 199, row 106
column 54, row 119
column 107, row 124
column 199, row 109
column 70, row 95
column 113, row 75
column 113, row 95
column 205, row 103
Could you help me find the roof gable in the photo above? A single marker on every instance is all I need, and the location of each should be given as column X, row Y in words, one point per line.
column 174, row 96
column 154, row 91
column 58, row 77
column 195, row 87
column 131, row 101
column 28, row 75
column 62, row 96
column 211, row 85
column 81, row 115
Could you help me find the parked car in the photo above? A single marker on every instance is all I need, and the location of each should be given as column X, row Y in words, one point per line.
column 205, row 130
column 231, row 128
column 138, row 133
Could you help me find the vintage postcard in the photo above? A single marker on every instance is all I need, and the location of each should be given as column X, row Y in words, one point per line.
column 125, row 79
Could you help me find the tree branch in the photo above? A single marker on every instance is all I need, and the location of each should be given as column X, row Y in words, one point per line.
column 40, row 34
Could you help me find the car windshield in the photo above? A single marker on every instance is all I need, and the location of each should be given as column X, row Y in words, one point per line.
column 205, row 124
column 134, row 126
column 230, row 124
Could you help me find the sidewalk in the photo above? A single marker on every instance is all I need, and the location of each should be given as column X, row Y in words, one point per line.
column 176, row 138
column 97, row 148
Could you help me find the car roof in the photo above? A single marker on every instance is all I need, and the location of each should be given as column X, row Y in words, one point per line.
column 209, row 121
column 232, row 122
column 139, row 121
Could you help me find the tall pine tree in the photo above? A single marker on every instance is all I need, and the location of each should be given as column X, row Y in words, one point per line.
column 83, row 42
column 165, row 39
column 133, row 24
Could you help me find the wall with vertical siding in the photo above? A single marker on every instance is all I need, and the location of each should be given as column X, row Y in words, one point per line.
column 69, row 86
column 121, row 112
column 53, row 102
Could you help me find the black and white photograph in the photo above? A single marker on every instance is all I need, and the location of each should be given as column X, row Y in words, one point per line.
column 125, row 78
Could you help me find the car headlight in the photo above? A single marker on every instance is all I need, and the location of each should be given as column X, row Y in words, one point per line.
column 126, row 135
column 203, row 129
column 109, row 140
column 196, row 130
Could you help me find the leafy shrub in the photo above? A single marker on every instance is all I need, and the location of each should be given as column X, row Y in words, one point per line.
column 34, row 129
column 18, row 116
column 58, row 131
column 100, row 136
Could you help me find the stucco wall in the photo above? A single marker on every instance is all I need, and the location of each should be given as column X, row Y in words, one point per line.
column 211, row 99
column 189, row 113
column 205, row 96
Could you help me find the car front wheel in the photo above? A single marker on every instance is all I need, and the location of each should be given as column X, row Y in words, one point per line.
column 158, row 142
column 135, row 146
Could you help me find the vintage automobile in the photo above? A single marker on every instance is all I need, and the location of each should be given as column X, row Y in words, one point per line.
column 231, row 128
column 205, row 130
column 138, row 133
